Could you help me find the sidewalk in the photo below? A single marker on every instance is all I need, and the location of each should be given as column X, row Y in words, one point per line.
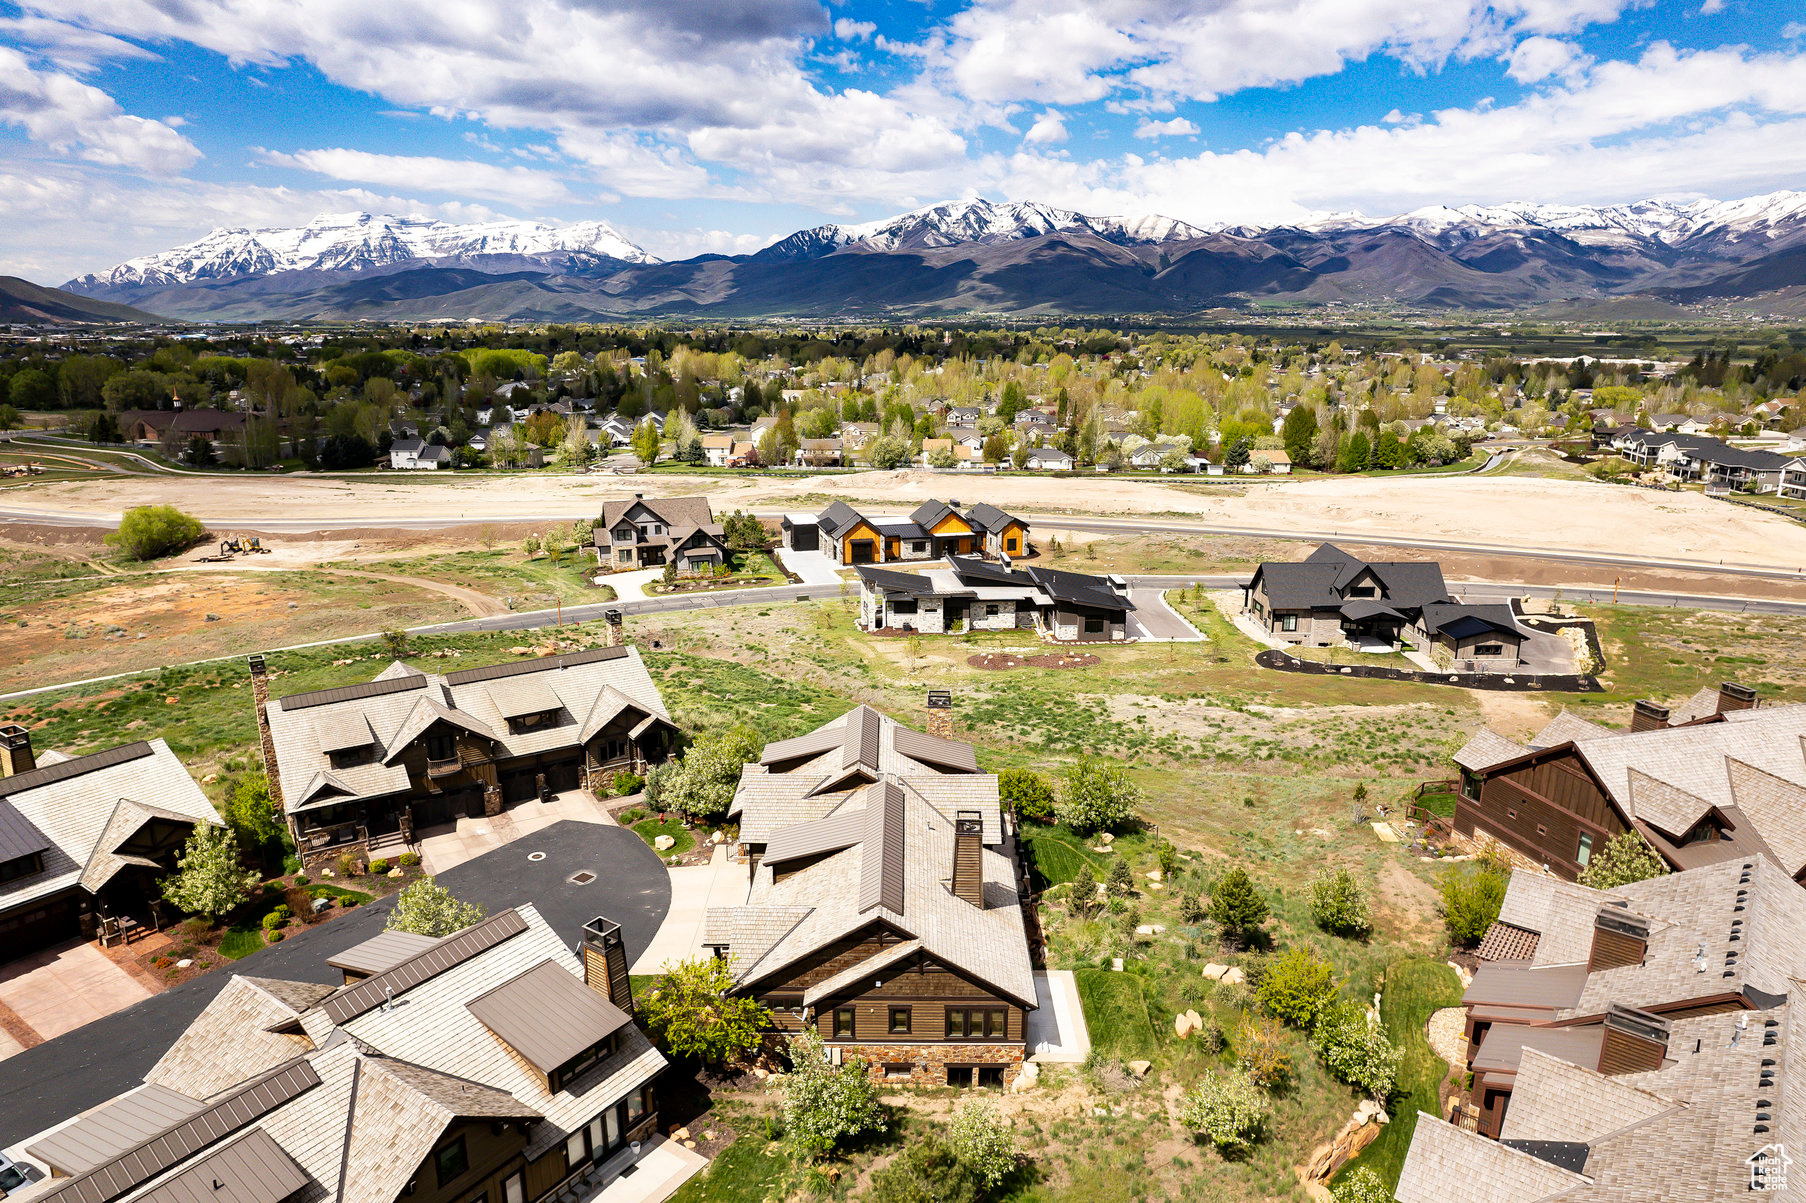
column 694, row 891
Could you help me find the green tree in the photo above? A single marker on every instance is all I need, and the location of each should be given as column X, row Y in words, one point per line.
column 1357, row 1050
column 33, row 388
column 706, row 777
column 1339, row 903
column 984, row 1140
column 9, row 418
column 427, row 908
column 825, row 1104
column 1028, row 794
column 645, row 442
column 1300, row 434
column 690, row 1013
column 147, row 532
column 1083, row 898
column 210, row 878
column 744, row 532
column 1097, row 795
column 1236, row 906
column 251, row 813
column 928, row 1171
column 1119, row 883
column 1471, row 899
column 1296, row 986
column 888, row 452
column 1362, row 1184
column 1228, row 1110
column 1626, row 857
column 199, row 451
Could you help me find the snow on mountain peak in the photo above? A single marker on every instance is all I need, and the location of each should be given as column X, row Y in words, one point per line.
column 360, row 241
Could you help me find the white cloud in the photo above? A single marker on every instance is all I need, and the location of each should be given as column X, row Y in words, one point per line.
column 849, row 30
column 69, row 46
column 1536, row 59
column 1711, row 8
column 71, row 117
column 453, row 177
column 1177, row 127
column 1049, row 127
column 683, row 244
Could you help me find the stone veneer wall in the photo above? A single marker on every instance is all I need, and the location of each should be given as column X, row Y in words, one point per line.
column 930, row 1061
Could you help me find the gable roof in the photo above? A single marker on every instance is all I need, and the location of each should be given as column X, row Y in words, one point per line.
column 547, row 1015
column 674, row 511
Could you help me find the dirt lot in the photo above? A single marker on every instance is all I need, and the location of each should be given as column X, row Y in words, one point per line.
column 1562, row 514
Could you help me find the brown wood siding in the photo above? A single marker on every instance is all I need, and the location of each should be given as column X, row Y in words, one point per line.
column 1556, row 795
column 824, row 963
column 968, row 869
column 1719, row 1006
column 925, row 986
column 490, row 1158
column 1621, row 1053
column 544, row 1174
column 1614, row 950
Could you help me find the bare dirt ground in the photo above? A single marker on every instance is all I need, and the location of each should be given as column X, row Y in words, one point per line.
column 1552, row 514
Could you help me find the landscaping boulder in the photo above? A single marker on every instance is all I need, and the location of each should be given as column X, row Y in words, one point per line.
column 664, row 843
column 1140, row 1068
column 1116, row 964
column 321, row 904
column 1182, row 1026
column 1026, row 1078
column 1106, row 838
column 1215, row 972
column 1197, row 1021
column 1234, row 977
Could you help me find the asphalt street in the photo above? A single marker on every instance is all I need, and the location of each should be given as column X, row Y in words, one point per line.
column 81, row 1069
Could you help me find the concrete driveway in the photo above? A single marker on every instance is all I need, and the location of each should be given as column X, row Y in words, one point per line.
column 1153, row 619
column 449, row 846
column 631, row 586
column 694, row 892
column 83, row 1068
column 813, row 566
column 62, row 988
column 1543, row 653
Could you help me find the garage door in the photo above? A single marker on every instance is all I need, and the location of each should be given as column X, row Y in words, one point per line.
column 519, row 787
column 803, row 538
column 563, row 776
column 862, row 551
column 26, row 931
column 439, row 809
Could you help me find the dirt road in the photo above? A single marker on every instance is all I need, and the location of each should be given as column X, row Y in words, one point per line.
column 1488, row 512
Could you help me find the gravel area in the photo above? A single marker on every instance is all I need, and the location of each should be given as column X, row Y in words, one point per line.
column 1447, row 1034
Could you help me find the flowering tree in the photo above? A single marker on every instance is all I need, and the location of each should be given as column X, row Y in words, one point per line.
column 825, row 1104
column 210, row 878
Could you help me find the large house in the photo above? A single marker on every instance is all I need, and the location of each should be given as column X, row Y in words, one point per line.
column 973, row 595
column 884, row 910
column 652, row 532
column 370, row 765
column 412, row 453
column 1718, row 778
column 935, row 529
column 1630, row 1046
column 494, row 1064
column 1689, row 456
column 87, row 837
column 1331, row 598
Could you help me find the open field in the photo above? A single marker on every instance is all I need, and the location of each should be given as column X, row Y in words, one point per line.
column 1529, row 511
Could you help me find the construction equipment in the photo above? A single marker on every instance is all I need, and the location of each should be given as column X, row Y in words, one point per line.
column 241, row 545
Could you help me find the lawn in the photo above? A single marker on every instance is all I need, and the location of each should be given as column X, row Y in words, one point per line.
column 1439, row 804
column 750, row 1169
column 1413, row 988
column 1116, row 1012
column 1056, row 854
column 651, row 829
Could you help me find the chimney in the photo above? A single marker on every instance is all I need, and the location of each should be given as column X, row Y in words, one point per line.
column 613, row 618
column 1635, row 1041
column 639, row 496
column 968, row 857
column 1647, row 716
column 940, row 713
column 1619, row 939
column 1732, row 696
column 605, row 962
column 15, row 751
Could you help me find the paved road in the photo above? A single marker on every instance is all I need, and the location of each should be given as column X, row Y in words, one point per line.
column 1152, row 618
column 81, row 1069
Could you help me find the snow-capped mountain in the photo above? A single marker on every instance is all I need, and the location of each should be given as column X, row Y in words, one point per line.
column 976, row 221
column 361, row 241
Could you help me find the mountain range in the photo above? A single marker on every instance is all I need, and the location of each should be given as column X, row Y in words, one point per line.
column 979, row 256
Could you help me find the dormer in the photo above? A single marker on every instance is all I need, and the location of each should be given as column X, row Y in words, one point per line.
column 346, row 738
column 526, row 702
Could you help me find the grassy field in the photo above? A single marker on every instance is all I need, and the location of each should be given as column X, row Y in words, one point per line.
column 1116, row 1012
column 508, row 573
column 650, row 829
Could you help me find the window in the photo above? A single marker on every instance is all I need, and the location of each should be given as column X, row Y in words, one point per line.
column 1490, row 649
column 990, row 609
column 843, row 1024
column 990, row 1075
column 23, row 866
column 638, row 1103
column 1511, row 812
column 975, row 1023
column 1288, row 622
column 899, row 1071
column 1586, row 850
column 899, row 1021
column 1541, row 830
column 918, row 547
column 450, row 1160
column 514, row 1188
column 576, row 1150
column 959, row 1075
column 440, row 746
column 1010, row 544
column 1094, row 626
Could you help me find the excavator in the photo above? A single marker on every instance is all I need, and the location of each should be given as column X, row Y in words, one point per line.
column 241, row 545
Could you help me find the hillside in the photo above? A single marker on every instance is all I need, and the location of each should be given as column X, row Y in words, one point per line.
column 22, row 302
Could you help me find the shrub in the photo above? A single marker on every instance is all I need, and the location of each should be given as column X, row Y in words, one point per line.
column 348, row 865
column 1121, row 882
column 690, row 1013
column 1167, row 857
column 428, row 909
column 984, row 1140
column 929, row 1171
column 1361, row 1185
column 378, row 867
column 1228, row 1110
column 1471, row 899
column 1296, row 986
column 1097, row 795
column 1028, row 793
column 1260, row 1051
column 632, row 815
column 408, row 860
column 1356, row 1051
column 395, row 642
column 629, row 783
column 705, row 780
column 1626, row 858
column 826, row 1104
column 147, row 532
column 276, row 936
column 301, row 879
column 1083, row 899
column 1236, row 905
column 1339, row 903
column 276, row 918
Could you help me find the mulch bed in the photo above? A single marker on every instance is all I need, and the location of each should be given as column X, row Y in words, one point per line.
column 1001, row 660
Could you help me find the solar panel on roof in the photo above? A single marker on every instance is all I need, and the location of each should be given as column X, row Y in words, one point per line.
column 351, row 693
column 77, row 766
column 497, row 671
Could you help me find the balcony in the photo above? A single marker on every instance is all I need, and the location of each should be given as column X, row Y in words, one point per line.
column 446, row 767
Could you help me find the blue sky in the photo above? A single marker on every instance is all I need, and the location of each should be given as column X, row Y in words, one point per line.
column 128, row 126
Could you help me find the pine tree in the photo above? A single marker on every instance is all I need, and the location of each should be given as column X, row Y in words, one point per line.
column 1236, row 905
